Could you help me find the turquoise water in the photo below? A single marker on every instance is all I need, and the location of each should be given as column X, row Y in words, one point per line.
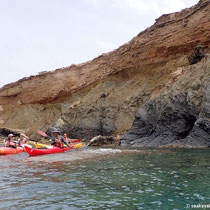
column 106, row 179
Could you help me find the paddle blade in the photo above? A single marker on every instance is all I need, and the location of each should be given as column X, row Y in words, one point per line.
column 76, row 140
column 42, row 133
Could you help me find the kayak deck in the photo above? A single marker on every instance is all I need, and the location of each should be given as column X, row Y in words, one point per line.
column 37, row 144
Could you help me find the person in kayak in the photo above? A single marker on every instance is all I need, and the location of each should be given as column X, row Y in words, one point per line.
column 22, row 140
column 58, row 140
column 68, row 140
column 10, row 141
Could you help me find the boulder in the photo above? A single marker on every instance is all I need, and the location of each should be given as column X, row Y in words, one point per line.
column 104, row 140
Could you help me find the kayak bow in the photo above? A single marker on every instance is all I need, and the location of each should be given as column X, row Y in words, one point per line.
column 9, row 150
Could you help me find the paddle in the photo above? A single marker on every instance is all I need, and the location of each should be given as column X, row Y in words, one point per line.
column 42, row 133
column 45, row 135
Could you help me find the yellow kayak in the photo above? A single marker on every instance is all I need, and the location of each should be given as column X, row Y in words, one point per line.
column 76, row 146
column 39, row 145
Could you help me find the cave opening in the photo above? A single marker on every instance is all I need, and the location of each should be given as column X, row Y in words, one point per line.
column 189, row 124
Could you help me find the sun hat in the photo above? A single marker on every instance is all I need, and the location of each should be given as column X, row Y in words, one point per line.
column 56, row 131
column 10, row 135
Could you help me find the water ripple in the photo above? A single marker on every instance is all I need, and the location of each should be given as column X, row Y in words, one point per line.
column 105, row 178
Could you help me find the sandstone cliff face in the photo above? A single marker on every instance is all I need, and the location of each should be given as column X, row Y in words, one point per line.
column 180, row 115
column 101, row 97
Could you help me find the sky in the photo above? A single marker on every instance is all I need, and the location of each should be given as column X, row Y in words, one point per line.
column 44, row 35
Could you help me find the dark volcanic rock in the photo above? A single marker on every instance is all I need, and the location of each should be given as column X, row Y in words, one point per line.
column 197, row 56
column 179, row 115
column 88, row 128
column 4, row 132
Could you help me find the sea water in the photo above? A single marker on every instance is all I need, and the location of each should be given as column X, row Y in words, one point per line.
column 107, row 178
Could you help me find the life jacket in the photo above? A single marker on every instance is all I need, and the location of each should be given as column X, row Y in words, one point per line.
column 11, row 144
column 21, row 142
column 58, row 143
column 68, row 140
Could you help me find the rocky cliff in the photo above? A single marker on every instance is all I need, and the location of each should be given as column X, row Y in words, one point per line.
column 101, row 97
column 180, row 115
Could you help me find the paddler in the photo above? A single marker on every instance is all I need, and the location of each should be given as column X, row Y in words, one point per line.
column 68, row 140
column 10, row 141
column 58, row 140
column 22, row 140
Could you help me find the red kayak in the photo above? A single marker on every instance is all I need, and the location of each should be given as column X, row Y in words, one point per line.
column 49, row 150
column 9, row 150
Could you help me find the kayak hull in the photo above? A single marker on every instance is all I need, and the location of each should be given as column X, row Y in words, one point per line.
column 9, row 150
column 50, row 150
